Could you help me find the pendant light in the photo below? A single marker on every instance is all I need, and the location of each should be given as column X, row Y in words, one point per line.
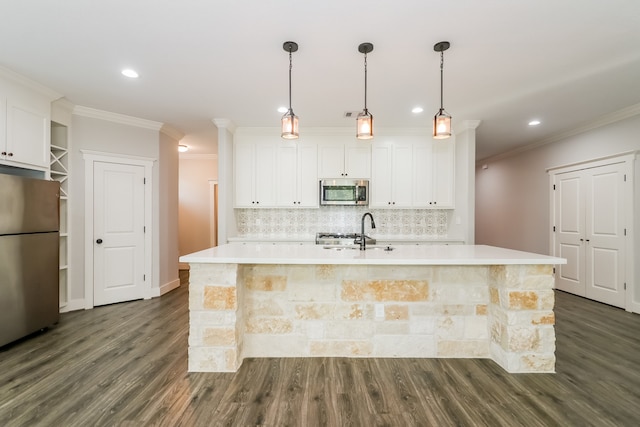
column 442, row 119
column 290, row 120
column 365, row 119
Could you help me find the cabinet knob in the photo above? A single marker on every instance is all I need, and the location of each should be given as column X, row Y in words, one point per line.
column 393, row 203
column 388, row 203
column 99, row 241
column 4, row 153
column 10, row 154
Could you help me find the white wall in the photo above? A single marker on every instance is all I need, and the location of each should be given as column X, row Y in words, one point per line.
column 89, row 133
column 194, row 210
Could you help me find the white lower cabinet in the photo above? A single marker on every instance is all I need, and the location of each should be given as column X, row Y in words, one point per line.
column 413, row 174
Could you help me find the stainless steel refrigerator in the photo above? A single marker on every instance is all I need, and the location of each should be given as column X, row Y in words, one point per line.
column 29, row 255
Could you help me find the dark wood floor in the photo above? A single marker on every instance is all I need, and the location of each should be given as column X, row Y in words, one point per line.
column 126, row 365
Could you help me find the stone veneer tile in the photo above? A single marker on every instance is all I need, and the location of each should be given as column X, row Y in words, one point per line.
column 341, row 348
column 317, row 292
column 219, row 337
column 544, row 318
column 404, row 346
column 450, row 327
column 385, row 290
column 476, row 328
column 348, row 330
column 524, row 339
column 519, row 300
column 538, row 363
column 256, row 307
column 467, row 348
column 481, row 309
column 392, row 328
column 314, row 311
column 262, row 282
column 219, row 298
column 268, row 326
column 213, row 274
column 396, row 312
column 290, row 345
column 466, row 275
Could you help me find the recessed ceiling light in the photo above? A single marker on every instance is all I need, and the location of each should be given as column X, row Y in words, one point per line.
column 417, row 110
column 534, row 122
column 283, row 110
column 183, row 148
column 128, row 72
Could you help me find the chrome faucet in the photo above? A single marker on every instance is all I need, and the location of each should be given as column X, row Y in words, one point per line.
column 363, row 244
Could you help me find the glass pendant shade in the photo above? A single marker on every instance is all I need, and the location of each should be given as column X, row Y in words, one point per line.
column 365, row 125
column 290, row 125
column 442, row 125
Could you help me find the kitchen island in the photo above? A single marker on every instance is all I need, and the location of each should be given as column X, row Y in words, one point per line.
column 260, row 300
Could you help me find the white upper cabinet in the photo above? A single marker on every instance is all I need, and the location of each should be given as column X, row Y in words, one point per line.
column 391, row 176
column 25, row 118
column 297, row 176
column 255, row 174
column 434, row 166
column 413, row 174
column 344, row 160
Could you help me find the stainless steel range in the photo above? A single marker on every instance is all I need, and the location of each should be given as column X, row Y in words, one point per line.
column 326, row 238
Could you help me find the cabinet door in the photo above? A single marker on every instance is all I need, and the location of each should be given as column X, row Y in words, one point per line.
column 265, row 174
column 3, row 126
column 307, row 176
column 331, row 161
column 244, row 176
column 381, row 176
column 287, row 175
column 443, row 155
column 402, row 178
column 27, row 135
column 423, row 176
column 357, row 160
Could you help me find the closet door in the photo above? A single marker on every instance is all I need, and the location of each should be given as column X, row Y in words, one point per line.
column 590, row 232
column 605, row 234
column 569, row 228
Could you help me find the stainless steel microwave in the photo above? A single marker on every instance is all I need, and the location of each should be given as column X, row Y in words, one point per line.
column 344, row 192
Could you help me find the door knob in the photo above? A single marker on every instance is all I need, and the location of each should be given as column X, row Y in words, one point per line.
column 99, row 241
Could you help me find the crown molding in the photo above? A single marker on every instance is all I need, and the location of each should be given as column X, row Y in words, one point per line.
column 172, row 132
column 225, row 124
column 93, row 113
column 605, row 120
column 31, row 84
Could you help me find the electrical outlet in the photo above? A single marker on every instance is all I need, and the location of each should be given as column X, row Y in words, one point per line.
column 379, row 309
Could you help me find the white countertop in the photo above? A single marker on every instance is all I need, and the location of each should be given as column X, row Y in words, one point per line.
column 258, row 253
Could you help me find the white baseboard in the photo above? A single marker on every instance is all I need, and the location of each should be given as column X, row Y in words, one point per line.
column 165, row 288
column 73, row 305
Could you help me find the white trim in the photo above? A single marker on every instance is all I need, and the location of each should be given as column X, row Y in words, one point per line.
column 73, row 305
column 93, row 113
column 31, row 84
column 90, row 157
column 172, row 132
column 167, row 287
column 224, row 124
column 592, row 163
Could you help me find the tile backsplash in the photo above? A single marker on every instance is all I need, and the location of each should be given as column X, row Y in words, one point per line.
column 341, row 219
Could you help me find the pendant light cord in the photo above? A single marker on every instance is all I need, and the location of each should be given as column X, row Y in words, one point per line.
column 290, row 67
column 441, row 80
column 365, row 82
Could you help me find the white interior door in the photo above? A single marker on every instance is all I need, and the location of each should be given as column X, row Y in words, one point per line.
column 605, row 240
column 119, row 244
column 569, row 203
column 590, row 232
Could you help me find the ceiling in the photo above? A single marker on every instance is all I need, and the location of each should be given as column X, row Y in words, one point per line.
column 565, row 63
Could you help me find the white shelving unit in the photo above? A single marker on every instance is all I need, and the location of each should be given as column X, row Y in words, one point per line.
column 59, row 171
